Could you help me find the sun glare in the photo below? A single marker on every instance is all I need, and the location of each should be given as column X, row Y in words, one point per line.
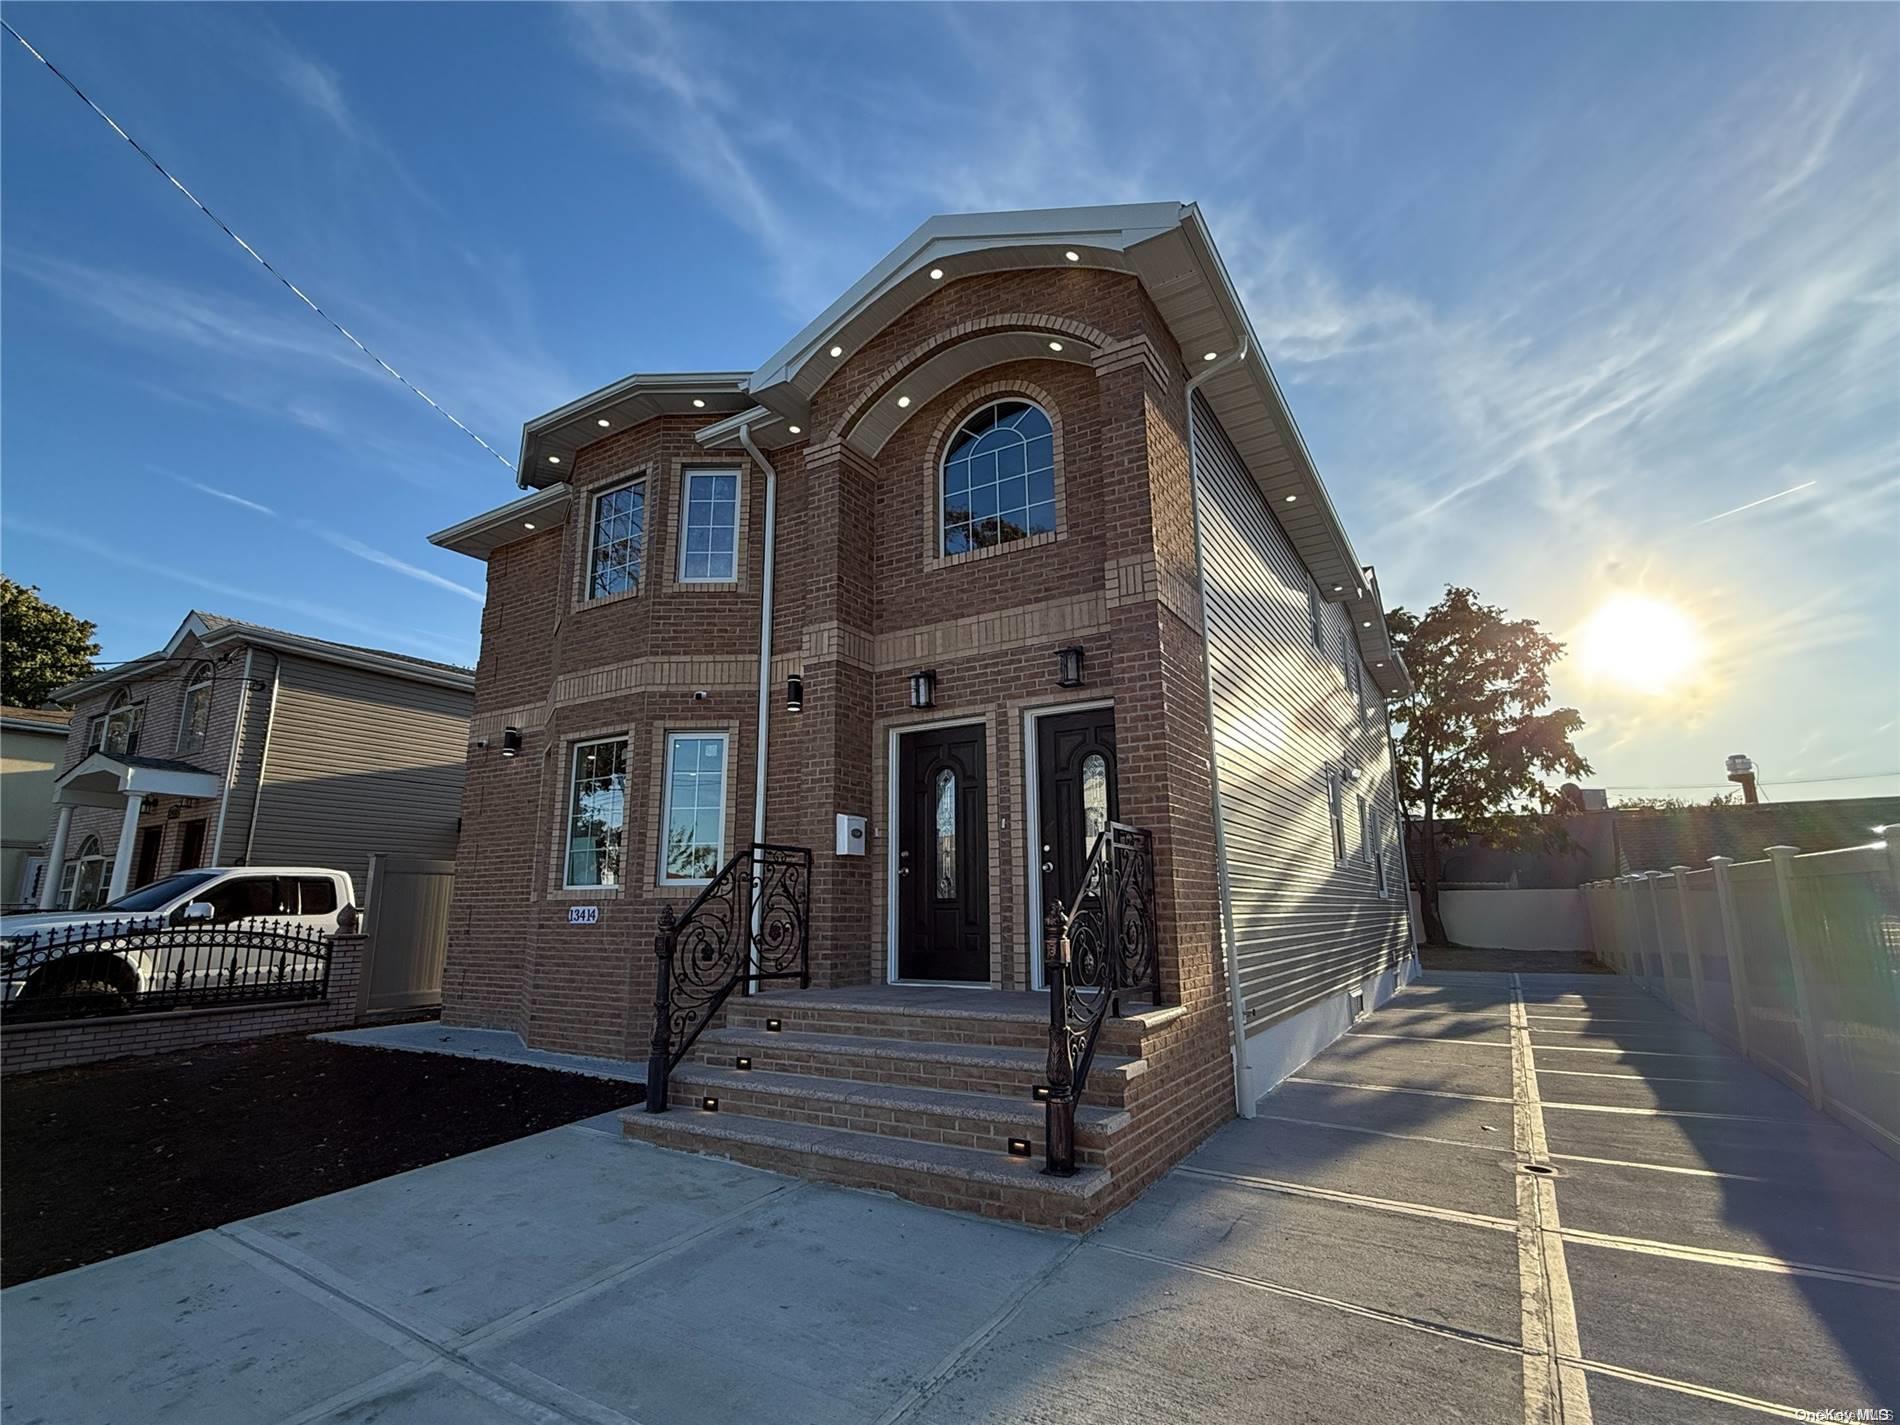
column 1640, row 642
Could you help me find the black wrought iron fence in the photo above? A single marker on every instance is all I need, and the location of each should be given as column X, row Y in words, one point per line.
column 749, row 926
column 1097, row 947
column 138, row 966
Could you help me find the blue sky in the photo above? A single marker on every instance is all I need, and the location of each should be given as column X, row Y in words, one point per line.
column 1549, row 289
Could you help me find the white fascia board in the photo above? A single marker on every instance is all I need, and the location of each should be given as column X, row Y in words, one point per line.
column 624, row 389
column 546, row 506
column 98, row 682
column 1116, row 226
column 763, row 423
column 461, row 680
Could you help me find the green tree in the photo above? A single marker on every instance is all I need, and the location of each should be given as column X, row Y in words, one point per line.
column 1720, row 799
column 42, row 647
column 1477, row 740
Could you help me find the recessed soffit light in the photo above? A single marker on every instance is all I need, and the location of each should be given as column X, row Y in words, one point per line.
column 936, row 274
column 903, row 401
column 698, row 404
column 837, row 351
column 603, row 423
column 527, row 524
column 1055, row 346
column 1210, row 356
column 795, row 430
column 554, row 460
column 1073, row 255
column 1338, row 588
column 1292, row 499
column 1365, row 623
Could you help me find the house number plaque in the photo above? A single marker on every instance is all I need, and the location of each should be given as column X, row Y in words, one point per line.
column 583, row 915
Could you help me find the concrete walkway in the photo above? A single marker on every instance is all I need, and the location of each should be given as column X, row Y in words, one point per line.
column 1707, row 1250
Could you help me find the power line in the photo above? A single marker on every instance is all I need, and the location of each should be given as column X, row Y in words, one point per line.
column 223, row 227
column 1775, row 782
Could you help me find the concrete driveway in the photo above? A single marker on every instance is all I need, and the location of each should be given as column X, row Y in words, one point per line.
column 1708, row 1250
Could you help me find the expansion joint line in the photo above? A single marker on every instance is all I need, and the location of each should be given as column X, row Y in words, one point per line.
column 1556, row 1391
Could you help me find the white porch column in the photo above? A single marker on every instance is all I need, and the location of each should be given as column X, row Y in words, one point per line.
column 56, row 859
column 128, row 845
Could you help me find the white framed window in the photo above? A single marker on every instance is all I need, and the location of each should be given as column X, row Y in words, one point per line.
column 118, row 732
column 85, row 879
column 1336, row 814
column 1378, row 855
column 709, row 527
column 1314, row 620
column 596, row 814
column 999, row 477
column 616, row 540
column 1365, row 831
column 194, row 718
column 693, row 818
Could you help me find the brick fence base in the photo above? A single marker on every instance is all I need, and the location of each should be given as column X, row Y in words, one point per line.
column 60, row 1044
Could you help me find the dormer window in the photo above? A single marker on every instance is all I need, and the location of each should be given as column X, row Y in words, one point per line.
column 999, row 478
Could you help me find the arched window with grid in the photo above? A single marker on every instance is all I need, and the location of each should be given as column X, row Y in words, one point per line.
column 999, row 477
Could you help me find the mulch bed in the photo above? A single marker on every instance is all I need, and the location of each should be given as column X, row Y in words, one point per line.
column 113, row 1157
column 1522, row 962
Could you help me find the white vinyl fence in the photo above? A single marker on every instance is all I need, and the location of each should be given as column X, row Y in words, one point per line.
column 1794, row 960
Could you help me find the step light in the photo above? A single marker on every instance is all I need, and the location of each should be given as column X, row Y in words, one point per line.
column 773, row 1026
column 1019, row 1147
column 1040, row 1093
column 742, row 1062
column 710, row 1104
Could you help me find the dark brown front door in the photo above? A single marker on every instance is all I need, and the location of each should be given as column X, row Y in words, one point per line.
column 943, row 873
column 145, row 869
column 191, row 845
column 1075, row 795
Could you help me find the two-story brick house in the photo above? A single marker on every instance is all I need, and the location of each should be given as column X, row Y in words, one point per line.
column 236, row 744
column 1016, row 540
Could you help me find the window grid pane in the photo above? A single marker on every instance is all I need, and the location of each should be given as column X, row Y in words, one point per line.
column 695, row 806
column 709, row 546
column 999, row 478
column 619, row 525
column 597, row 814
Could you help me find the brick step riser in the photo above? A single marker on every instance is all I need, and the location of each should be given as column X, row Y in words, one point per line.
column 1103, row 1091
column 914, row 1125
column 1120, row 1039
column 927, row 1189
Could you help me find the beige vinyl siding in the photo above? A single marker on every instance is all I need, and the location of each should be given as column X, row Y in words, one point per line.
column 1284, row 714
column 358, row 763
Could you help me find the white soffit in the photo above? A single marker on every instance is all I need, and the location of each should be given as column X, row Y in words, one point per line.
column 481, row 535
column 550, row 442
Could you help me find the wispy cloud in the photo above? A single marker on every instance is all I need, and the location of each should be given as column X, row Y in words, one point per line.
column 372, row 555
column 226, row 495
column 1764, row 500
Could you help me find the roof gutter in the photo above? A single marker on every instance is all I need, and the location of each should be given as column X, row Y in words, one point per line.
column 765, row 668
column 1230, row 948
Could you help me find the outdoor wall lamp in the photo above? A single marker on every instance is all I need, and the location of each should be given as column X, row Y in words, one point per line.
column 511, row 742
column 1069, row 668
column 923, row 688
column 794, row 694
column 1349, row 772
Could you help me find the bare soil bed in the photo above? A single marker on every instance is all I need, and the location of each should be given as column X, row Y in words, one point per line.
column 113, row 1157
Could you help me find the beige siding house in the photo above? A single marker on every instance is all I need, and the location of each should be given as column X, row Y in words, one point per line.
column 237, row 744
column 32, row 741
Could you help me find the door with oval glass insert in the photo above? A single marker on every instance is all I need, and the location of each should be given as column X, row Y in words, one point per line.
column 1076, row 796
column 943, row 872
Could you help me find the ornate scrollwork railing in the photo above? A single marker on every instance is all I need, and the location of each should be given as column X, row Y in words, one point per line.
column 1098, row 946
column 750, row 925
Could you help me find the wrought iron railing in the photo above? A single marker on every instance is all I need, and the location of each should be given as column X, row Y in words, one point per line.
column 748, row 927
column 1097, row 947
column 142, row 965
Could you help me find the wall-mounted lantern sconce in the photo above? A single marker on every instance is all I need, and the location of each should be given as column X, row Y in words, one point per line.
column 794, row 694
column 1349, row 772
column 1069, row 668
column 511, row 742
column 923, row 689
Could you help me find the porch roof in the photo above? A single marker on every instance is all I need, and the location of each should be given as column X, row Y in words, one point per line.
column 105, row 779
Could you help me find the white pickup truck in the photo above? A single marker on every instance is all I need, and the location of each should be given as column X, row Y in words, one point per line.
column 166, row 935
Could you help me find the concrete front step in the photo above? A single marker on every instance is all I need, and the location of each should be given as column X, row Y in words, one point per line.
column 959, row 1017
column 984, row 1122
column 1001, row 1069
column 934, row 1174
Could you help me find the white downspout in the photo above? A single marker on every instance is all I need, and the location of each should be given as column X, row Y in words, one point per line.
column 1243, row 1099
column 263, row 757
column 765, row 669
column 231, row 764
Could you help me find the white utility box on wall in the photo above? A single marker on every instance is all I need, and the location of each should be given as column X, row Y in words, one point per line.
column 850, row 835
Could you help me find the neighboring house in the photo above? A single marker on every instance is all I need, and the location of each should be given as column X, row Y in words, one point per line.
column 1649, row 839
column 32, row 741
column 237, row 744
column 1041, row 546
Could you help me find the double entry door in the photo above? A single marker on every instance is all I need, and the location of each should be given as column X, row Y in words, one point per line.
column 943, row 834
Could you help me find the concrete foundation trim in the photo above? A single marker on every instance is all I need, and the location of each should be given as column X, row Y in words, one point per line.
column 1284, row 1046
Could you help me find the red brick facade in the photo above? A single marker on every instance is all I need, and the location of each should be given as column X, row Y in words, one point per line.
column 863, row 600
